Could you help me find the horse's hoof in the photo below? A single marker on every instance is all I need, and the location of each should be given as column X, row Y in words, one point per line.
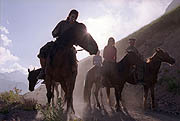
column 99, row 107
column 118, row 109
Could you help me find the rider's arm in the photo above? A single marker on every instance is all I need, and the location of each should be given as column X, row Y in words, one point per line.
column 57, row 30
column 115, row 56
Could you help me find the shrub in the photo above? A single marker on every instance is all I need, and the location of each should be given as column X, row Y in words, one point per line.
column 13, row 100
column 52, row 113
column 13, row 96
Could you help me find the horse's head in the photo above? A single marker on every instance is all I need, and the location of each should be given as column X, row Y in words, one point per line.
column 32, row 77
column 164, row 56
column 84, row 39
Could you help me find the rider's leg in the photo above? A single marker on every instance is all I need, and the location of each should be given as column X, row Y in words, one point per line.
column 42, row 72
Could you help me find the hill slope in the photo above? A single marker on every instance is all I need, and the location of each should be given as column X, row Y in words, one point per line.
column 174, row 4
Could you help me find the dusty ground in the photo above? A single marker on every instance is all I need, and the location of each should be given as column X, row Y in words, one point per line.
column 108, row 114
column 133, row 112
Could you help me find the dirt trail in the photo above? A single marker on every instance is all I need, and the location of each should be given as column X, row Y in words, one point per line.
column 132, row 97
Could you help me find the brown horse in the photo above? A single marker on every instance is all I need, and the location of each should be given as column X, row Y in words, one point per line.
column 33, row 81
column 122, row 73
column 152, row 67
column 93, row 76
column 63, row 67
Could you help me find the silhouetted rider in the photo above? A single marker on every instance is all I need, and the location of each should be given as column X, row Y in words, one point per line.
column 60, row 28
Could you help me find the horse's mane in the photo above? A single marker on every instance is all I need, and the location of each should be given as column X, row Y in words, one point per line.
column 149, row 59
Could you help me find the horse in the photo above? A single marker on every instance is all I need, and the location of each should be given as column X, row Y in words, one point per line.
column 63, row 67
column 151, row 70
column 33, row 81
column 93, row 76
column 122, row 73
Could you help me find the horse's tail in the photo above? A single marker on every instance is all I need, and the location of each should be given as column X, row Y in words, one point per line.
column 87, row 88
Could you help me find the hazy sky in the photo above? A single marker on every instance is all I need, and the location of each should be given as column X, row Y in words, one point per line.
column 26, row 25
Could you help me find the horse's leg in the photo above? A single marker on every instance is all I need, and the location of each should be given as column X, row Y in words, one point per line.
column 63, row 88
column 96, row 96
column 108, row 96
column 62, row 93
column 53, row 101
column 117, row 99
column 146, row 89
column 152, row 97
column 56, row 88
column 70, row 87
column 101, row 95
column 118, row 91
column 87, row 91
column 48, row 88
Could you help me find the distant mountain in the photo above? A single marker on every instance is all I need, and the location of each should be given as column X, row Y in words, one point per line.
column 174, row 4
column 13, row 79
column 16, row 76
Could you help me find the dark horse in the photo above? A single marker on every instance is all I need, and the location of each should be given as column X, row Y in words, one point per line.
column 151, row 71
column 33, row 81
column 63, row 67
column 122, row 73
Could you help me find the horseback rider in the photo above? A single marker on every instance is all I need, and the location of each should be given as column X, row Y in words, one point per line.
column 58, row 31
column 109, row 55
column 110, row 51
column 97, row 59
column 138, row 69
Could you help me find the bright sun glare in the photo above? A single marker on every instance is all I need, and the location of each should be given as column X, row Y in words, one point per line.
column 100, row 29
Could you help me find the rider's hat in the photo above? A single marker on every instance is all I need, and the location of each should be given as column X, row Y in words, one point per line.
column 132, row 39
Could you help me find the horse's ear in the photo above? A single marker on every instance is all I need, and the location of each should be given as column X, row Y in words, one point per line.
column 157, row 49
column 34, row 68
column 28, row 70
